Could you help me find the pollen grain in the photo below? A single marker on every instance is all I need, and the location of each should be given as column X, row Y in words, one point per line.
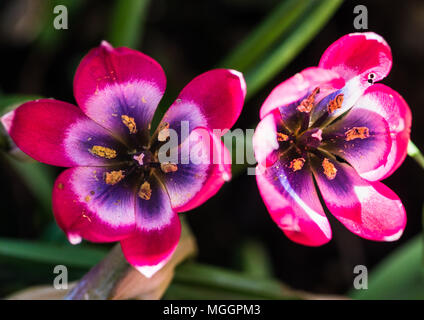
column 330, row 170
column 282, row 137
column 308, row 103
column 114, row 177
column 336, row 103
column 163, row 132
column 103, row 152
column 145, row 191
column 357, row 133
column 297, row 164
column 168, row 167
column 129, row 122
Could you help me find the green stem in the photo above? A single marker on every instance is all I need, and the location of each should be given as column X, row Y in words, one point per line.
column 422, row 239
column 302, row 33
column 398, row 276
column 255, row 260
column 38, row 177
column 230, row 282
column 415, row 153
column 127, row 22
column 101, row 280
column 191, row 280
column 183, row 291
column 266, row 34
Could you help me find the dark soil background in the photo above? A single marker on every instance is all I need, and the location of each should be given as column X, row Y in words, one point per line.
column 187, row 38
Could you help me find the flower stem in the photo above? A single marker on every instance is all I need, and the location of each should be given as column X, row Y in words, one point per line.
column 127, row 22
column 219, row 279
column 99, row 282
column 199, row 281
column 415, row 153
column 302, row 33
column 115, row 278
column 266, row 34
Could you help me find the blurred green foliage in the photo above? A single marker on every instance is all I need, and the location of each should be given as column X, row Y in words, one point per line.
column 399, row 276
column 126, row 24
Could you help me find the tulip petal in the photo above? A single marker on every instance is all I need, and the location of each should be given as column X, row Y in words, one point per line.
column 393, row 108
column 362, row 138
column 361, row 59
column 204, row 164
column 337, row 103
column 369, row 209
column 87, row 205
column 157, row 231
column 291, row 199
column 358, row 54
column 297, row 87
column 58, row 133
column 265, row 142
column 212, row 100
column 113, row 85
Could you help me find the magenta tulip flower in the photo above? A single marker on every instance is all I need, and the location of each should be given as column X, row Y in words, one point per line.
column 331, row 132
column 116, row 189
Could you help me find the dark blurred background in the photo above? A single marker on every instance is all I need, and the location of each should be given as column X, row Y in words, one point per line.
column 187, row 38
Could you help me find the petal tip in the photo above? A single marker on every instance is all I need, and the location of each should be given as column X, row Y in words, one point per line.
column 370, row 36
column 226, row 176
column 74, row 238
column 7, row 120
column 150, row 271
column 240, row 76
column 393, row 237
column 106, row 45
column 359, row 53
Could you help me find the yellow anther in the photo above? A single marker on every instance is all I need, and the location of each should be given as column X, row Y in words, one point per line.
column 114, row 177
column 163, row 132
column 357, row 133
column 168, row 167
column 307, row 104
column 145, row 191
column 130, row 123
column 282, row 137
column 103, row 152
column 336, row 103
column 330, row 170
column 297, row 164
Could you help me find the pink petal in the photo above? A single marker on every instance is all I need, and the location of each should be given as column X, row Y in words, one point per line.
column 368, row 209
column 293, row 203
column 365, row 151
column 212, row 100
column 265, row 143
column 59, row 134
column 156, row 234
column 351, row 92
column 393, row 108
column 85, row 206
column 115, row 82
column 358, row 54
column 296, row 87
column 200, row 176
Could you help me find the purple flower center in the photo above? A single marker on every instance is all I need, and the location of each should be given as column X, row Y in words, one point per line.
column 140, row 160
column 303, row 127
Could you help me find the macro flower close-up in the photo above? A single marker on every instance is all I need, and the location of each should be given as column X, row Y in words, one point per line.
column 117, row 189
column 330, row 134
column 187, row 151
